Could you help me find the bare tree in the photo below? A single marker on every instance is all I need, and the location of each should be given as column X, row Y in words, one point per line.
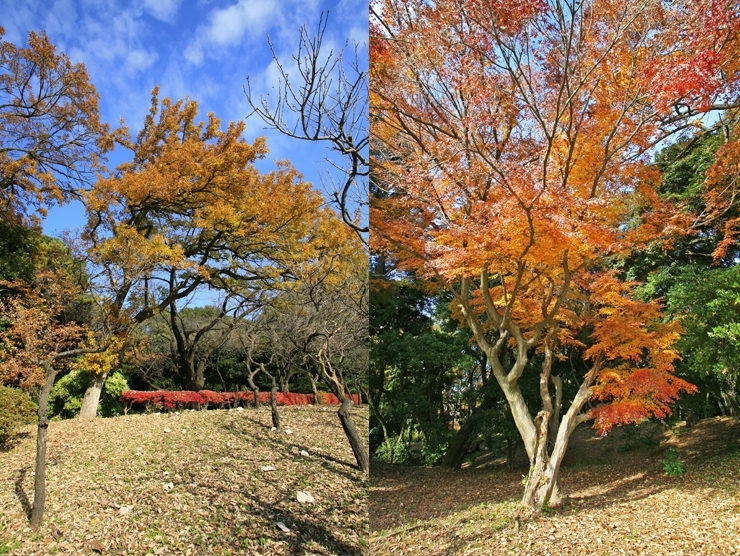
column 328, row 103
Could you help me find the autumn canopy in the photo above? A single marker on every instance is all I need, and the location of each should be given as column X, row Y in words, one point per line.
column 513, row 146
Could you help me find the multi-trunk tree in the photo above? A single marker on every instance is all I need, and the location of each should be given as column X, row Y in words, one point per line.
column 514, row 143
column 190, row 211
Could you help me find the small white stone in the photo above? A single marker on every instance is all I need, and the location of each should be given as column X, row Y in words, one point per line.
column 167, row 430
column 288, row 431
column 273, row 429
column 280, row 525
column 304, row 453
column 240, row 409
column 268, row 468
column 228, row 443
column 304, row 497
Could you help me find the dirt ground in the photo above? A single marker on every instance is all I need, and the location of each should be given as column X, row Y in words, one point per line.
column 197, row 482
column 620, row 500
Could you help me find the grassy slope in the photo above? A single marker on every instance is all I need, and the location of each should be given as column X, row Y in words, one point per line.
column 620, row 502
column 220, row 501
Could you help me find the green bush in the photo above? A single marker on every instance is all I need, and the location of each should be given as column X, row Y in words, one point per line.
column 393, row 451
column 671, row 464
column 16, row 410
column 65, row 399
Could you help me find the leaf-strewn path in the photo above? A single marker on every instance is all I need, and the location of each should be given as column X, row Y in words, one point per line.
column 620, row 502
column 190, row 484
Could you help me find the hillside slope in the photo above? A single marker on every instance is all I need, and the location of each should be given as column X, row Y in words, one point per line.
column 190, row 483
column 621, row 501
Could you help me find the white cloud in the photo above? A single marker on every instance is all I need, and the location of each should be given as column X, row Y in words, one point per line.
column 227, row 26
column 17, row 23
column 61, row 18
column 358, row 36
column 164, row 10
column 139, row 60
column 194, row 54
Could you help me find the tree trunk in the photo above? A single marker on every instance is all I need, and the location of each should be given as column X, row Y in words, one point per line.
column 542, row 487
column 316, row 397
column 91, row 400
column 39, row 482
column 458, row 445
column 512, row 442
column 355, row 441
column 255, row 390
column 200, row 376
column 555, row 419
column 273, row 405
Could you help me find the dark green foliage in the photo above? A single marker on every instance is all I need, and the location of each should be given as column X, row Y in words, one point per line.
column 16, row 410
column 708, row 301
column 703, row 293
column 19, row 246
column 65, row 399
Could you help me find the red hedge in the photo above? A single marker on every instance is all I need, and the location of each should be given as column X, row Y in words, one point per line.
column 171, row 399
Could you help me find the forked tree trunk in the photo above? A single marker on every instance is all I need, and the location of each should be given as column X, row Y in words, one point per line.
column 39, row 480
column 91, row 400
column 316, row 397
column 542, row 487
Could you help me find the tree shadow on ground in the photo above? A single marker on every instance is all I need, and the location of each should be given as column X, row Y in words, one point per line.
column 596, row 473
column 20, row 493
column 284, row 444
column 16, row 440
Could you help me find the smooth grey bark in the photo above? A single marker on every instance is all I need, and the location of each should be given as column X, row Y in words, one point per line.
column 91, row 399
column 542, row 483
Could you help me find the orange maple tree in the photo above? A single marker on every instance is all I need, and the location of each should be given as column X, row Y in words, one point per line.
column 513, row 141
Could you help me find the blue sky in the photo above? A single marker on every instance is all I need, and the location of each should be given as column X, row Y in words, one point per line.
column 202, row 49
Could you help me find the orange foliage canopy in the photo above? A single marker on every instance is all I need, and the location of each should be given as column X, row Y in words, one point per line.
column 51, row 138
column 513, row 141
column 190, row 210
column 33, row 330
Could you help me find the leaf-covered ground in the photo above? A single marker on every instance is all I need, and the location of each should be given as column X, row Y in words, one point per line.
column 190, row 483
column 620, row 501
